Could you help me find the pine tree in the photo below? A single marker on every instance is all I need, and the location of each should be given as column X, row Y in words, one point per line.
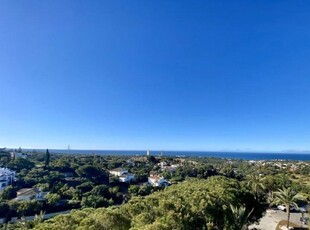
column 47, row 158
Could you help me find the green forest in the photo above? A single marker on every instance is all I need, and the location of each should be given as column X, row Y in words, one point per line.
column 214, row 203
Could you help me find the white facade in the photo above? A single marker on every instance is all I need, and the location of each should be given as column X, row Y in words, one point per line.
column 123, row 175
column 18, row 155
column 156, row 181
column 6, row 177
column 168, row 168
column 118, row 171
column 127, row 177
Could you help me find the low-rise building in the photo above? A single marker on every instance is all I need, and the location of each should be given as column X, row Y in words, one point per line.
column 127, row 177
column 169, row 168
column 18, row 155
column 156, row 181
column 118, row 171
column 6, row 177
column 123, row 175
column 27, row 194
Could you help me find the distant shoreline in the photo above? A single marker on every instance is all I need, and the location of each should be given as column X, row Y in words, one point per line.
column 229, row 155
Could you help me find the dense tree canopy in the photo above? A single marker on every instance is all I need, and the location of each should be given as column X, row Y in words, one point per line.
column 193, row 204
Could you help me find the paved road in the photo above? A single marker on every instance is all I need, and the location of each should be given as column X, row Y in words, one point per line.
column 271, row 219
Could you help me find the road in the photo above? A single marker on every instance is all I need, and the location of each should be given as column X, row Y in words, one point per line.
column 273, row 217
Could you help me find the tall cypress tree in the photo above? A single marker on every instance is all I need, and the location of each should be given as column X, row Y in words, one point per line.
column 47, row 158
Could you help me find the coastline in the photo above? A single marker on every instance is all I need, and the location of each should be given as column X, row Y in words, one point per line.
column 200, row 154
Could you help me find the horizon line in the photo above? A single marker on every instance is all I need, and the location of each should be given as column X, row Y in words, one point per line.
column 169, row 150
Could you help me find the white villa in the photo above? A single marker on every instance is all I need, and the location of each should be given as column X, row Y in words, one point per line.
column 156, row 181
column 118, row 171
column 170, row 168
column 123, row 175
column 127, row 177
column 27, row 194
column 6, row 177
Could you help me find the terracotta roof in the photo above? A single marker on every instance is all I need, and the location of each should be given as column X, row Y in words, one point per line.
column 155, row 177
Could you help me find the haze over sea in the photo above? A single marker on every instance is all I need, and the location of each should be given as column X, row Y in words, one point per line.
column 228, row 155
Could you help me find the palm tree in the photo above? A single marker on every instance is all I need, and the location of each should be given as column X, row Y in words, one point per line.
column 288, row 197
column 240, row 217
column 38, row 218
column 256, row 184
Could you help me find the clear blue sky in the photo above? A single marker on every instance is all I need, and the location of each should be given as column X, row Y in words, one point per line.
column 182, row 75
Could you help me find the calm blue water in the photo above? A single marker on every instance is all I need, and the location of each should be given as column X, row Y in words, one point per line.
column 230, row 155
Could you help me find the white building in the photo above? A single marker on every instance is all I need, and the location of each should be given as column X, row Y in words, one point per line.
column 169, row 168
column 27, row 194
column 127, row 177
column 123, row 175
column 118, row 171
column 18, row 155
column 156, row 181
column 6, row 177
column 162, row 164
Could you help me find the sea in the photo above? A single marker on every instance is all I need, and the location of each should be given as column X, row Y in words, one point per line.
column 200, row 154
